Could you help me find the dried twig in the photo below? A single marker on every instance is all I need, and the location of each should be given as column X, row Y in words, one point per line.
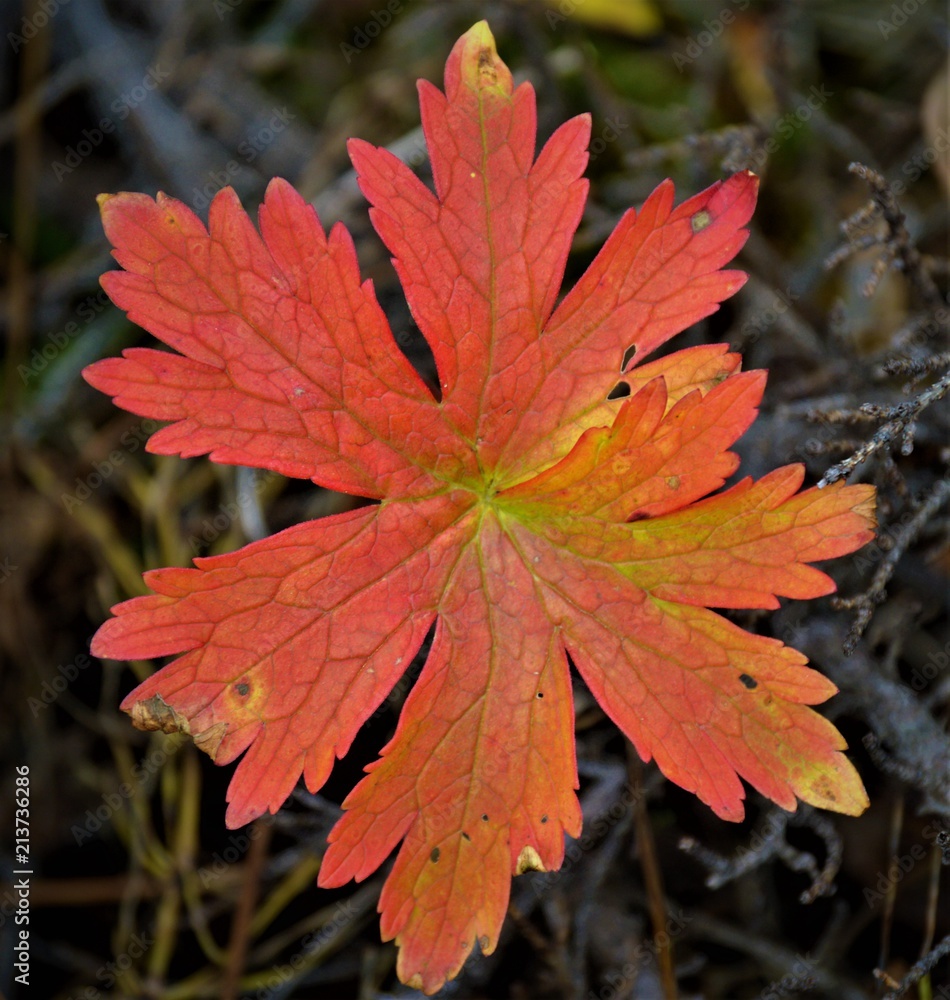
column 900, row 426
column 918, row 744
column 769, row 842
column 897, row 247
column 903, row 536
column 917, row 971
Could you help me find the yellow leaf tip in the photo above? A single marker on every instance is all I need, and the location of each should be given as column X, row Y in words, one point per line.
column 529, row 861
column 479, row 35
column 479, row 63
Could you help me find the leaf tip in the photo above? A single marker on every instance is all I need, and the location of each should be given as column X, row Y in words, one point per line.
column 155, row 715
column 865, row 505
column 478, row 65
column 837, row 788
column 479, row 36
column 529, row 861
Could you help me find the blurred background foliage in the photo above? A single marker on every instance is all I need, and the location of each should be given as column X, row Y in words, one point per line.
column 140, row 891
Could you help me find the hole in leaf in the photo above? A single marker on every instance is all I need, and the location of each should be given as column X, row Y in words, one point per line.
column 465, row 836
column 544, row 819
column 484, row 817
column 619, row 391
column 435, row 855
column 628, row 356
column 750, row 682
column 540, row 694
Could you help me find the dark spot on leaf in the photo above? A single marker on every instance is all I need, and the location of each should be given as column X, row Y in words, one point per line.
column 435, row 855
column 544, row 819
column 540, row 694
column 620, row 391
column 465, row 836
column 485, row 817
column 700, row 221
column 637, row 515
column 242, row 688
column 750, row 682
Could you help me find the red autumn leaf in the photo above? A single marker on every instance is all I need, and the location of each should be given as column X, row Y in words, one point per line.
column 526, row 514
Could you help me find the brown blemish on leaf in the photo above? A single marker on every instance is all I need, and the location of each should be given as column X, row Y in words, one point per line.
column 435, row 855
column 155, row 715
column 242, row 689
column 483, row 942
column 210, row 739
column 700, row 221
column 487, row 74
column 529, row 861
